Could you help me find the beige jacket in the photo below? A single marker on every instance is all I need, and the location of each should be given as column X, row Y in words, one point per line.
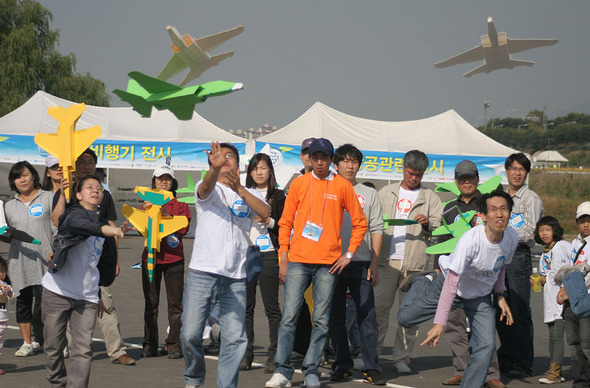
column 417, row 236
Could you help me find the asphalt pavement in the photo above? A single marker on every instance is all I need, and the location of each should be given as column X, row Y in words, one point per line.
column 429, row 366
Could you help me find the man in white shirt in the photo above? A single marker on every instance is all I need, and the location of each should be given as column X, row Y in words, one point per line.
column 217, row 275
column 468, row 277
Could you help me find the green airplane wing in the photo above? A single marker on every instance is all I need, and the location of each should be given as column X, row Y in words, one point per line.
column 190, row 185
column 387, row 222
column 189, row 199
column 446, row 187
column 218, row 88
column 490, row 185
column 443, row 248
column 152, row 85
column 139, row 104
column 182, row 112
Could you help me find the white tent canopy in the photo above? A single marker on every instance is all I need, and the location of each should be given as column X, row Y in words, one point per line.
column 446, row 133
column 116, row 123
column 548, row 159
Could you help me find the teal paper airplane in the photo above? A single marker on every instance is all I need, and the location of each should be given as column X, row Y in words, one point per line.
column 387, row 222
column 144, row 92
column 9, row 233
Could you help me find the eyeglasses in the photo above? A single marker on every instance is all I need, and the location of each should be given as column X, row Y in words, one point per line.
column 502, row 209
column 230, row 155
column 98, row 189
column 517, row 169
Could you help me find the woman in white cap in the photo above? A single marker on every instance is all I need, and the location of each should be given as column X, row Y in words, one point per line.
column 53, row 175
column 169, row 264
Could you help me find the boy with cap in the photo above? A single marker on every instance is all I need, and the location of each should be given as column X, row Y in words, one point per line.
column 313, row 212
column 466, row 179
column 577, row 317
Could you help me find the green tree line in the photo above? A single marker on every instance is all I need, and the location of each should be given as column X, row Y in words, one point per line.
column 569, row 135
column 29, row 60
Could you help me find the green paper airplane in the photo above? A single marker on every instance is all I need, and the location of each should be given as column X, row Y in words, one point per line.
column 144, row 92
column 485, row 188
column 189, row 189
column 387, row 222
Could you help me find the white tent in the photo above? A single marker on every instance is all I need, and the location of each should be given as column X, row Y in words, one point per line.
column 548, row 159
column 150, row 139
column 446, row 133
column 447, row 138
column 116, row 123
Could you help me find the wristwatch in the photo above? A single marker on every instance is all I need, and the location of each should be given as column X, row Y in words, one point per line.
column 349, row 255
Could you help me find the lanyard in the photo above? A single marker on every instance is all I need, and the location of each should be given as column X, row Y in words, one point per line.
column 311, row 195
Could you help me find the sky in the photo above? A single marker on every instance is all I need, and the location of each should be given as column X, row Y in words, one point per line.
column 368, row 58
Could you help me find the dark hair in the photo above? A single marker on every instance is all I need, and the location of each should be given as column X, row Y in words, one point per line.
column 483, row 202
column 369, row 184
column 47, row 182
column 416, row 160
column 347, row 150
column 174, row 185
column 272, row 181
column 554, row 224
column 520, row 158
column 17, row 170
column 4, row 266
column 83, row 180
column 90, row 152
column 231, row 147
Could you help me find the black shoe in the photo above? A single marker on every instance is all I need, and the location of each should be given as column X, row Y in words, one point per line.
column 212, row 350
column 341, row 375
column 147, row 353
column 173, row 355
column 374, row 377
column 518, row 373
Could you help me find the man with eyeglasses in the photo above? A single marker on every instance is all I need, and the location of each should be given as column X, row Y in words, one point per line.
column 466, row 179
column 109, row 322
column 468, row 277
column 515, row 354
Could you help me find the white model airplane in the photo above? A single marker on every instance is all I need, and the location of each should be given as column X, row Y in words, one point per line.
column 194, row 53
column 495, row 50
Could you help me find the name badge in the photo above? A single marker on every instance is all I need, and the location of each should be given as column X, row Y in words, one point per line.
column 312, row 231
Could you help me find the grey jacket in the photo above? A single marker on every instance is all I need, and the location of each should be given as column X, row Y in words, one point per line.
column 417, row 236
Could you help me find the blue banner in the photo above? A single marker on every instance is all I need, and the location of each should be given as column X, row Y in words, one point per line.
column 117, row 153
column 388, row 165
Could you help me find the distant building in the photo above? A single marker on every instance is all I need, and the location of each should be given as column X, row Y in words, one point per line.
column 551, row 159
column 252, row 133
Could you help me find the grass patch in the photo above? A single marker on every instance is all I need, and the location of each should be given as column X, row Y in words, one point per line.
column 561, row 192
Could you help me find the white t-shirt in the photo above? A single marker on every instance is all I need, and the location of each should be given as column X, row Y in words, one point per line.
column 405, row 202
column 584, row 256
column 220, row 245
column 259, row 232
column 478, row 261
column 549, row 263
column 79, row 277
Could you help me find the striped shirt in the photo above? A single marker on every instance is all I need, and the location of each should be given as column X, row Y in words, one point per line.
column 527, row 210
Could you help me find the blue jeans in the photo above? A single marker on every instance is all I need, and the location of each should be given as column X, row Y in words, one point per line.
column 577, row 294
column 516, row 341
column 354, row 277
column 297, row 280
column 420, row 304
column 202, row 291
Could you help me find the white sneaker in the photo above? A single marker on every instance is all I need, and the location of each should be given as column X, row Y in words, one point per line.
column 278, row 381
column 311, row 381
column 25, row 350
column 36, row 346
column 66, row 352
column 402, row 367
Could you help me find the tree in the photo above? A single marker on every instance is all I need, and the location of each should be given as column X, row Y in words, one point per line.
column 29, row 60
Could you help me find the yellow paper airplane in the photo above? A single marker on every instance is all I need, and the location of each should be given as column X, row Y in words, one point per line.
column 151, row 223
column 67, row 144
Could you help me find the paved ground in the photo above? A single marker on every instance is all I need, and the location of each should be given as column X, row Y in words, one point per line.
column 430, row 365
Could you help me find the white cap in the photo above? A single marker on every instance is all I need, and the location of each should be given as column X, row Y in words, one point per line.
column 51, row 161
column 162, row 170
column 583, row 209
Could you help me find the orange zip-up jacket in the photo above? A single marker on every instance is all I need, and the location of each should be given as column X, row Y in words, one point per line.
column 331, row 197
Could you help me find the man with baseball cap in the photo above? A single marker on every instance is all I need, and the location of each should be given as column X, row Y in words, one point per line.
column 313, row 213
column 466, row 179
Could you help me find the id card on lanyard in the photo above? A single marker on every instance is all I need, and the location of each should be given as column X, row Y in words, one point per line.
column 313, row 231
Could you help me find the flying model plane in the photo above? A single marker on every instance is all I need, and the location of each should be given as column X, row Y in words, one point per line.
column 194, row 53
column 144, row 91
column 495, row 50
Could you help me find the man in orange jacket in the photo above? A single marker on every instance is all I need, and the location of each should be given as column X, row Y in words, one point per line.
column 313, row 214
